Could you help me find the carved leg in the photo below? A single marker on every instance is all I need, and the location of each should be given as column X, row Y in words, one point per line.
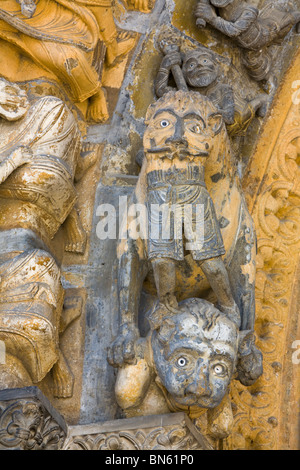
column 165, row 280
column 76, row 236
column 217, row 276
column 260, row 105
column 89, row 156
column 63, row 378
column 97, row 110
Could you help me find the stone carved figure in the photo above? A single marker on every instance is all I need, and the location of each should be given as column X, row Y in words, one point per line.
column 187, row 162
column 39, row 158
column 252, row 29
column 202, row 73
column 186, row 363
column 69, row 40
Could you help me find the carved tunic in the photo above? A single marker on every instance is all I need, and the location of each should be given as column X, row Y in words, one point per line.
column 184, row 193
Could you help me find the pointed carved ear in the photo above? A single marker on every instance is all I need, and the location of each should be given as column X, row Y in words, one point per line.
column 216, row 122
column 166, row 330
column 250, row 359
column 246, row 342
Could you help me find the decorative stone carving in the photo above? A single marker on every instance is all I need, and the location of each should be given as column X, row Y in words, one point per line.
column 161, row 432
column 254, row 30
column 273, row 401
column 199, row 70
column 186, row 364
column 72, row 50
column 40, row 160
column 29, row 422
column 185, row 136
column 40, row 154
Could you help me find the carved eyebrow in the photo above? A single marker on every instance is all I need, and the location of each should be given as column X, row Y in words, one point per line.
column 194, row 116
column 225, row 355
column 166, row 110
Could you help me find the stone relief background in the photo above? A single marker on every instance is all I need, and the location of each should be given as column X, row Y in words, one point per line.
column 93, row 274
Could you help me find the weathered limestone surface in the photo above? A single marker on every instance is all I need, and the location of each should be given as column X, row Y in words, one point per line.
column 101, row 326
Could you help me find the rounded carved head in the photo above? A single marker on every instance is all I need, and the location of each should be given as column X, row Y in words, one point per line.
column 195, row 354
column 198, row 351
column 199, row 68
column 182, row 124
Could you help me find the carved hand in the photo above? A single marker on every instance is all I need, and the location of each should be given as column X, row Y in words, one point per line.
column 171, row 59
column 122, row 350
column 205, row 12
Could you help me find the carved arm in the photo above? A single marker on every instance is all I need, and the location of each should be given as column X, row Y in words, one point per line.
column 232, row 29
column 223, row 99
column 171, row 60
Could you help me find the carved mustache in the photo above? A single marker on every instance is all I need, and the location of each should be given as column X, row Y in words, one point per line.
column 178, row 149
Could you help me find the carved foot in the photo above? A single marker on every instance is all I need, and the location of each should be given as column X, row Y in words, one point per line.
column 140, row 5
column 125, row 42
column 97, row 110
column 76, row 236
column 63, row 379
column 298, row 28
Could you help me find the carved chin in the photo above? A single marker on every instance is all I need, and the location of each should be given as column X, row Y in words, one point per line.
column 197, row 402
column 200, row 81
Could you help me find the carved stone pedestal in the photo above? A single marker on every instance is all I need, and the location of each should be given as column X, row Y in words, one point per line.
column 159, row 432
column 29, row 422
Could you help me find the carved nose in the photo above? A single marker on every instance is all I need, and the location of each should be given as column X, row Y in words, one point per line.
column 178, row 137
column 200, row 386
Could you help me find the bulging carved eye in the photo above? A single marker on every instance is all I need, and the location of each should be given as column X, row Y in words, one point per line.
column 220, row 370
column 192, row 65
column 181, row 362
column 164, row 123
column 197, row 129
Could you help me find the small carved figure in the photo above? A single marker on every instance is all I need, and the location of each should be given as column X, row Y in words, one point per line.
column 202, row 73
column 186, row 152
column 254, row 30
column 187, row 363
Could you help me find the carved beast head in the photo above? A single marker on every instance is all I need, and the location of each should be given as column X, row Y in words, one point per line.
column 182, row 124
column 198, row 351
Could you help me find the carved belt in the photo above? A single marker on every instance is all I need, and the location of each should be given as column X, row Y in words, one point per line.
column 191, row 176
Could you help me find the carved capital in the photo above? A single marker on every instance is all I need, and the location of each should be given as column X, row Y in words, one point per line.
column 159, row 432
column 29, row 422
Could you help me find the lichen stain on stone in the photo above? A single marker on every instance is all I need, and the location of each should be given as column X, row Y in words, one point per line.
column 184, row 19
column 142, row 90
